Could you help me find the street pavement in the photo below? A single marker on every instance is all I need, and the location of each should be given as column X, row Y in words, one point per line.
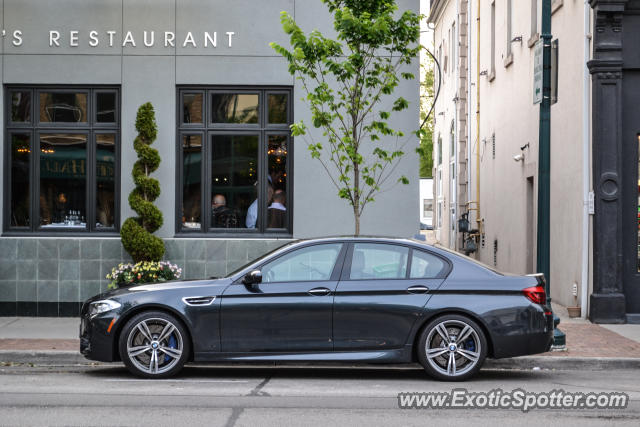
column 288, row 396
column 45, row 381
column 21, row 337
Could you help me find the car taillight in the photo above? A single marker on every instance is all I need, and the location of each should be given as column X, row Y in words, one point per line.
column 535, row 294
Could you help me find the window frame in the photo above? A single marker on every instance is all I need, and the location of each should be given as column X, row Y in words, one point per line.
column 210, row 124
column 492, row 71
column 509, row 27
column 34, row 129
column 348, row 258
column 335, row 272
column 208, row 128
column 444, row 272
column 69, row 125
column 533, row 33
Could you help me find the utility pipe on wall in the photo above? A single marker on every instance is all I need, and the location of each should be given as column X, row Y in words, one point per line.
column 478, row 216
column 586, row 161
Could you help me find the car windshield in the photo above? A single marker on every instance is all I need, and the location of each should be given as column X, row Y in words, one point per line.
column 237, row 270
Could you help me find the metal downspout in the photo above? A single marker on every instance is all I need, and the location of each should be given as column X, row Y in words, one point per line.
column 478, row 216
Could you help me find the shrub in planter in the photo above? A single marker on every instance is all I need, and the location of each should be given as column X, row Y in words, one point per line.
column 136, row 232
column 143, row 272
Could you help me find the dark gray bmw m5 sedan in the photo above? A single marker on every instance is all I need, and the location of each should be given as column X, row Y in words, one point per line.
column 371, row 300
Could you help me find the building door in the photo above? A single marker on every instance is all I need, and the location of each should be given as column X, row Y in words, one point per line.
column 631, row 189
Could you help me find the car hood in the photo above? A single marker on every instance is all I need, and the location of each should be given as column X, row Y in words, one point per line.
column 161, row 287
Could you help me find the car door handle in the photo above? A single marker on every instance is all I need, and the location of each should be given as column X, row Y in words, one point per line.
column 318, row 292
column 419, row 289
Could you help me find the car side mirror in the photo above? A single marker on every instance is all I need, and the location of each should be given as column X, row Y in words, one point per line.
column 253, row 277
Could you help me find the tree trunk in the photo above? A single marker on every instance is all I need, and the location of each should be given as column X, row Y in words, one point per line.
column 356, row 197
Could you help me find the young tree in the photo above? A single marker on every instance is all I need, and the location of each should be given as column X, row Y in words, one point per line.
column 136, row 232
column 346, row 81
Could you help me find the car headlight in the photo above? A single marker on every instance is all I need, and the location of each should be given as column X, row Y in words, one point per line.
column 102, row 306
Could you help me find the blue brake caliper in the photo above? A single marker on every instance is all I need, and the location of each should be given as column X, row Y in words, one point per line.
column 470, row 345
column 172, row 344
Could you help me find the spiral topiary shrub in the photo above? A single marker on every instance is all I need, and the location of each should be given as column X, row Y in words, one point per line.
column 136, row 232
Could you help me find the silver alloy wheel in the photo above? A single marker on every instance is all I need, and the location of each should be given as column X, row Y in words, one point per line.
column 150, row 347
column 453, row 348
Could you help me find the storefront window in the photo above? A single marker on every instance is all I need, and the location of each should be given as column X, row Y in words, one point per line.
column 278, row 108
column 234, row 108
column 105, row 179
column 63, row 177
column 106, row 107
column 191, row 180
column 69, row 107
column 235, row 173
column 20, row 172
column 20, row 107
column 234, row 162
column 277, row 178
column 73, row 147
column 192, row 107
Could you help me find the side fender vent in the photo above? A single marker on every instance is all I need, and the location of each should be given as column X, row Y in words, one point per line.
column 198, row 300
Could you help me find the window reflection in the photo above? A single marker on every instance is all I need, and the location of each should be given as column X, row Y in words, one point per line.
column 191, row 181
column 20, row 153
column 234, row 108
column 106, row 107
column 377, row 261
column 425, row 266
column 277, row 178
column 306, row 264
column 192, row 107
column 277, row 105
column 234, row 169
column 63, row 176
column 63, row 107
column 105, row 180
column 21, row 106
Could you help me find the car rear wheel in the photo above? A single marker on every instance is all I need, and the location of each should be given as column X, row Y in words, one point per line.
column 452, row 348
column 154, row 344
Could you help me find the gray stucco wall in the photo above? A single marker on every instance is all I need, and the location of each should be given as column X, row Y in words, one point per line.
column 152, row 74
column 52, row 276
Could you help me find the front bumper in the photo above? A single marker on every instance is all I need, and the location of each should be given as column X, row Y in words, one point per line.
column 97, row 340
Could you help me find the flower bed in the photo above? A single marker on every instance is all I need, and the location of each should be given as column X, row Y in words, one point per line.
column 143, row 272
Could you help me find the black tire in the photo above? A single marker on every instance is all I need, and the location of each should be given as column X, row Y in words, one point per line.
column 164, row 355
column 445, row 364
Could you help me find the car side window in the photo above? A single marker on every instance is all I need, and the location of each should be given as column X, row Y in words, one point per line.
column 425, row 265
column 378, row 261
column 303, row 265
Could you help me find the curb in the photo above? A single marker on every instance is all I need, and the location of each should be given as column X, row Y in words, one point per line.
column 563, row 363
column 43, row 357
column 63, row 358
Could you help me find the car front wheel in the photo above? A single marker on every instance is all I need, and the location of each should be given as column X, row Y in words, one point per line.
column 154, row 344
column 452, row 348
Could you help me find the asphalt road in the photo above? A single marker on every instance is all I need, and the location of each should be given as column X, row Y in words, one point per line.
column 287, row 396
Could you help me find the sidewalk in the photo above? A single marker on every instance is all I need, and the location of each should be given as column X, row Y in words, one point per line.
column 54, row 341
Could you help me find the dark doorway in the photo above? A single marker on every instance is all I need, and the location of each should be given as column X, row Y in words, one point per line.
column 631, row 179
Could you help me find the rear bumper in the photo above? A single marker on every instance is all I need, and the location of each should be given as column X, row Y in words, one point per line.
column 536, row 338
column 529, row 344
